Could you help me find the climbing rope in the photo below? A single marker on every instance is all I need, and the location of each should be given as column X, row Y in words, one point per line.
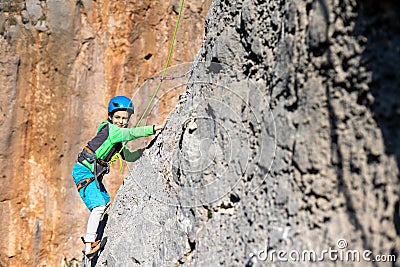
column 169, row 78
column 163, row 77
column 171, row 48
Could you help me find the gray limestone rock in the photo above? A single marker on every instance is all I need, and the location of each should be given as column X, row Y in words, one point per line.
column 276, row 144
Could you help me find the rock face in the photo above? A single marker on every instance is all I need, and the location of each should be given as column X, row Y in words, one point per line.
column 60, row 63
column 285, row 139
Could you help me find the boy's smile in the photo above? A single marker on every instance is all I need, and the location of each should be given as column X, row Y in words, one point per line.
column 120, row 118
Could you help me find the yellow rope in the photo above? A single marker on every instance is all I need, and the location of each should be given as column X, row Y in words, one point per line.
column 117, row 156
column 171, row 48
column 166, row 65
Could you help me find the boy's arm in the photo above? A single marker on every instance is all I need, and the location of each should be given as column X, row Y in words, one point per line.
column 132, row 156
column 117, row 134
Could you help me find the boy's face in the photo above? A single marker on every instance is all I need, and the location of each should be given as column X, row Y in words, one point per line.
column 120, row 118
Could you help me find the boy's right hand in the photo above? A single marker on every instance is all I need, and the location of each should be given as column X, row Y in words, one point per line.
column 157, row 127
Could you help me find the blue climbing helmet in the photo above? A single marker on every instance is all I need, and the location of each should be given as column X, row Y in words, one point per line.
column 120, row 103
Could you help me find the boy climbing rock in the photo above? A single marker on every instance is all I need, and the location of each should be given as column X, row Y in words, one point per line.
column 93, row 163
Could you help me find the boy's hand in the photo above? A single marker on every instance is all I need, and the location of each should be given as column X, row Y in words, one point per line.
column 157, row 127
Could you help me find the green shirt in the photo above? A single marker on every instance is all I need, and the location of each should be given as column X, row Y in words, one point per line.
column 109, row 138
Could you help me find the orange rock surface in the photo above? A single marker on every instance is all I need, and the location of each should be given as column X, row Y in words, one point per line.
column 60, row 63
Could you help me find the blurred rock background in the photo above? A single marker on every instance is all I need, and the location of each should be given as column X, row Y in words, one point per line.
column 60, row 63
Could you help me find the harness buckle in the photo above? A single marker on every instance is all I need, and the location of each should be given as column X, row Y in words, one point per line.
column 104, row 164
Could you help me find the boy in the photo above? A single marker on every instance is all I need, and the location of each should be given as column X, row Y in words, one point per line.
column 93, row 162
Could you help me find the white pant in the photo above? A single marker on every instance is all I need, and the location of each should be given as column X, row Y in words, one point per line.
column 93, row 224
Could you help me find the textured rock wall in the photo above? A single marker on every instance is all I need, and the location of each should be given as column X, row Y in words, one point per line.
column 60, row 62
column 288, row 141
